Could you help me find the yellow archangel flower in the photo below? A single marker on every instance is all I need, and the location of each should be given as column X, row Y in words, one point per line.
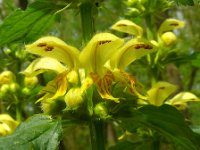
column 160, row 92
column 7, row 124
column 103, row 58
column 164, row 32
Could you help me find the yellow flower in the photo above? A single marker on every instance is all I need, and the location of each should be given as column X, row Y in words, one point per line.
column 159, row 94
column 103, row 54
column 129, row 27
column 7, row 124
column 164, row 32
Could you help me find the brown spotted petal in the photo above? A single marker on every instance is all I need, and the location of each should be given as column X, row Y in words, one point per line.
column 127, row 80
column 170, row 24
column 132, row 50
column 104, row 85
column 98, row 51
column 55, row 88
column 55, row 48
column 129, row 27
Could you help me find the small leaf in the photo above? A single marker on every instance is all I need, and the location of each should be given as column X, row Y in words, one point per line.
column 167, row 121
column 38, row 132
column 28, row 25
column 185, row 2
column 123, row 145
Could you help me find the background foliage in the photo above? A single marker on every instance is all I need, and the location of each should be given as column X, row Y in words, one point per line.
column 22, row 22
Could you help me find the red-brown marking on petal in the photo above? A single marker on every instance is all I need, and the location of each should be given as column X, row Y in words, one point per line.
column 104, row 42
column 121, row 25
column 145, row 46
column 161, row 88
column 174, row 24
column 41, row 44
column 49, row 48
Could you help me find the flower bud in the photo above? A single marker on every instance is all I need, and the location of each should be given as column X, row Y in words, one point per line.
column 131, row 2
column 134, row 12
column 101, row 111
column 7, row 51
column 52, row 107
column 74, row 97
column 30, row 81
column 26, row 91
column 7, row 77
column 4, row 89
column 13, row 87
column 168, row 38
column 20, row 54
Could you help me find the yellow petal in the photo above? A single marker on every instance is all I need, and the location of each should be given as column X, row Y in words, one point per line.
column 43, row 64
column 170, row 24
column 55, row 88
column 55, row 48
column 99, row 49
column 183, row 97
column 129, row 27
column 158, row 93
column 132, row 50
column 7, row 124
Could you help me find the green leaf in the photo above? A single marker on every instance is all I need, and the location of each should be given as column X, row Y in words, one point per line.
column 38, row 132
column 28, row 25
column 185, row 2
column 167, row 121
column 123, row 145
column 196, row 59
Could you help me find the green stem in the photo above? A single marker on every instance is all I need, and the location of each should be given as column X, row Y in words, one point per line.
column 87, row 21
column 97, row 133
column 96, row 125
column 18, row 109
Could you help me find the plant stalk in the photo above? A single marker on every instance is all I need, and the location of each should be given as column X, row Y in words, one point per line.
column 96, row 125
column 97, row 133
column 87, row 21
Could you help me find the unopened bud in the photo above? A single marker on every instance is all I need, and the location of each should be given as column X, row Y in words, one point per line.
column 168, row 38
column 101, row 111
column 30, row 81
column 134, row 12
column 26, row 91
column 4, row 89
column 13, row 87
column 7, row 77
column 74, row 97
